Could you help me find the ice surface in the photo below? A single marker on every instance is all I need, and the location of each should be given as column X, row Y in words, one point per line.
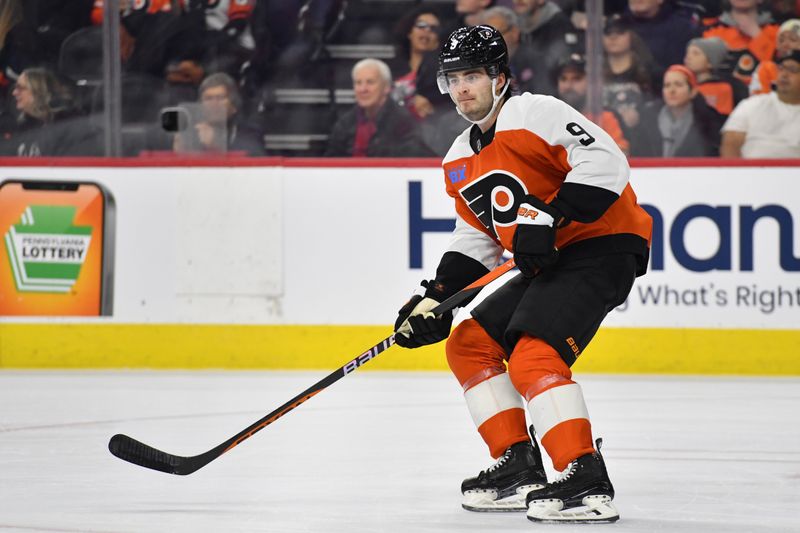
column 378, row 452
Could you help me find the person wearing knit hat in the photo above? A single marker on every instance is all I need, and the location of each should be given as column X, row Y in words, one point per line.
column 714, row 49
column 707, row 58
column 766, row 73
column 686, row 125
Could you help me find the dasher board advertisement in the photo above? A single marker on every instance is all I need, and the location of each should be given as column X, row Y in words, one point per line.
column 57, row 252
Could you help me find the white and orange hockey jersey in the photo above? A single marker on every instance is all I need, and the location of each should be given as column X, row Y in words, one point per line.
column 542, row 146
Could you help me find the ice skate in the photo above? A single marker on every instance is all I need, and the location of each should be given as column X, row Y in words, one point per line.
column 503, row 486
column 582, row 493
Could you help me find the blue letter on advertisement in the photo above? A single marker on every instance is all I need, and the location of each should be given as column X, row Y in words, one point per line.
column 748, row 218
column 721, row 217
column 417, row 225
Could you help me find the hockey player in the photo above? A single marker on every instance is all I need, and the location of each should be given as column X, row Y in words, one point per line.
column 536, row 178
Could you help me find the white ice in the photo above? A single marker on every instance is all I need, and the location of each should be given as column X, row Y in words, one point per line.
column 378, row 452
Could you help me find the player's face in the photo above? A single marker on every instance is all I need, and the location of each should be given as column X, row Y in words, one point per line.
column 472, row 92
column 787, row 41
column 788, row 82
column 677, row 91
column 424, row 36
column 695, row 60
column 370, row 88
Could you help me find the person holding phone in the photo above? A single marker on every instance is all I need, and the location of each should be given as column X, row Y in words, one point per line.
column 216, row 126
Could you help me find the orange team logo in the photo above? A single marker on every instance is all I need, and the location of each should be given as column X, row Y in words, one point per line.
column 527, row 213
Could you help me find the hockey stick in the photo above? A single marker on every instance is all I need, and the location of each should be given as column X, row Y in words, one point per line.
column 133, row 451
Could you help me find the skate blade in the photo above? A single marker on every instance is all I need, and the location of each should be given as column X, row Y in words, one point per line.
column 596, row 509
column 485, row 501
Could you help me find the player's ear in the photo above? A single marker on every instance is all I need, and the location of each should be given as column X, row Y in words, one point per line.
column 501, row 82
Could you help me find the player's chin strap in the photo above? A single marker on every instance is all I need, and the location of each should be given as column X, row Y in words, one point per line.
column 496, row 97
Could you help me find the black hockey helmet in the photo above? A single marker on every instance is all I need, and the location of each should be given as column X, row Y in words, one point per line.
column 472, row 47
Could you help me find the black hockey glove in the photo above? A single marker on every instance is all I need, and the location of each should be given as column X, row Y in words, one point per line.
column 416, row 325
column 534, row 240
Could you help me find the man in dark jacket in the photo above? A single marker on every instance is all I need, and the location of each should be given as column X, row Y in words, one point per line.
column 665, row 26
column 376, row 126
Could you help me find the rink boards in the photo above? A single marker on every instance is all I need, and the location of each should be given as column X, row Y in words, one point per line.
column 303, row 264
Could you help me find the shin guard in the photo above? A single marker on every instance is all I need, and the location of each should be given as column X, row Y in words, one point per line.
column 555, row 402
column 478, row 363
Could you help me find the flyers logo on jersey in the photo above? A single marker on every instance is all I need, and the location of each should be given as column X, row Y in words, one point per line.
column 494, row 198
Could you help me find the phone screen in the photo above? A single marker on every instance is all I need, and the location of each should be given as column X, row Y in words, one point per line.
column 56, row 254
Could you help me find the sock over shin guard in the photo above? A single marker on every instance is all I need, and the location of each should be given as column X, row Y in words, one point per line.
column 555, row 402
column 478, row 363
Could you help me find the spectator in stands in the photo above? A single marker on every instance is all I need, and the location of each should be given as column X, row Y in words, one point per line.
column 468, row 11
column 748, row 32
column 767, row 71
column 629, row 74
column 52, row 21
column 376, row 126
column 706, row 59
column 665, row 26
column 15, row 42
column 768, row 125
column 783, row 10
column 227, row 36
column 221, row 128
column 686, row 125
column 547, row 36
column 160, row 39
column 417, row 34
column 48, row 124
column 572, row 89
column 527, row 64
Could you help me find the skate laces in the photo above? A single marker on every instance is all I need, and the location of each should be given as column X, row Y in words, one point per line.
column 566, row 473
column 500, row 462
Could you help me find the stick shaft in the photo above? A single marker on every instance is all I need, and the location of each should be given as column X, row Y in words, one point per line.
column 133, row 451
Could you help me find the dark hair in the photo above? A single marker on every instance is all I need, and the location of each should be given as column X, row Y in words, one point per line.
column 406, row 23
column 643, row 63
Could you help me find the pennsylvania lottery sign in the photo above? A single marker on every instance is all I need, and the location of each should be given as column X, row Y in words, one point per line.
column 57, row 253
column 46, row 250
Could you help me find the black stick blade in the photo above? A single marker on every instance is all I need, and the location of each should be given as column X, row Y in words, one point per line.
column 139, row 453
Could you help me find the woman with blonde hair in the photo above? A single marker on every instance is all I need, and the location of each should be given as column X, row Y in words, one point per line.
column 48, row 123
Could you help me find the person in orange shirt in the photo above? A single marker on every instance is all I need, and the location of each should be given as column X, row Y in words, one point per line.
column 533, row 177
column 572, row 89
column 766, row 73
column 748, row 33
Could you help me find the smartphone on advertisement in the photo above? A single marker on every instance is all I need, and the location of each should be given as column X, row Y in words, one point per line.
column 57, row 255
